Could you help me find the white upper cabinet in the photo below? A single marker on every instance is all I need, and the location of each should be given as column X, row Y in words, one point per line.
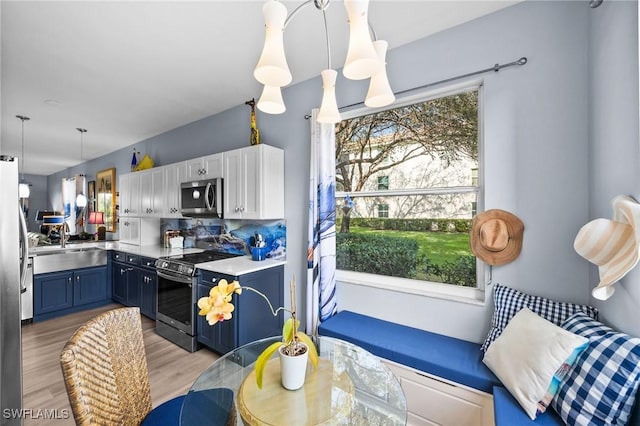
column 130, row 230
column 174, row 175
column 208, row 167
column 129, row 194
column 152, row 191
column 254, row 183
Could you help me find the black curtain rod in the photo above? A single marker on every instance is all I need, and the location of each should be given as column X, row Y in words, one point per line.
column 495, row 68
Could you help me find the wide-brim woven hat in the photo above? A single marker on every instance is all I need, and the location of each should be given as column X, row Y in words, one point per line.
column 613, row 245
column 496, row 236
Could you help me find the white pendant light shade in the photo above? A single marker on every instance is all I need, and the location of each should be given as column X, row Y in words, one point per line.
column 380, row 93
column 272, row 68
column 81, row 200
column 329, row 108
column 23, row 190
column 271, row 100
column 362, row 61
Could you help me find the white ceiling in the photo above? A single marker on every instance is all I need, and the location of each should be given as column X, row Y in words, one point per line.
column 129, row 70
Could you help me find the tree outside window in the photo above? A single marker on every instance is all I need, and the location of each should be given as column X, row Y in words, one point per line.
column 411, row 175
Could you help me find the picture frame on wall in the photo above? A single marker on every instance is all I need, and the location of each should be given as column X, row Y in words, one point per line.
column 91, row 195
column 106, row 197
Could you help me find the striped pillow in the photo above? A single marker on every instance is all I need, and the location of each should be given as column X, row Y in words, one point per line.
column 508, row 302
column 601, row 387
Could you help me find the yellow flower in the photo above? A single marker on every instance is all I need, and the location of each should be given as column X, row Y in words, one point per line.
column 220, row 313
column 217, row 307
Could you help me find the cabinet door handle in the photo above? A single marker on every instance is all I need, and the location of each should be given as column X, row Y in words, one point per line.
column 69, row 279
column 77, row 277
column 214, row 279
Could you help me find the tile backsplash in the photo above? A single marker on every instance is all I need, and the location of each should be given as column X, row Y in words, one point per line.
column 231, row 236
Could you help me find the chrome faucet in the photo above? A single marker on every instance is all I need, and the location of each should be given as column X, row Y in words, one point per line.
column 63, row 235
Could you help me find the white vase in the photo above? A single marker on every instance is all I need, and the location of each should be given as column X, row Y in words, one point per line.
column 293, row 369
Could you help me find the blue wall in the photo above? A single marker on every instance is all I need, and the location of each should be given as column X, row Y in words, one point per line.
column 537, row 134
column 614, row 160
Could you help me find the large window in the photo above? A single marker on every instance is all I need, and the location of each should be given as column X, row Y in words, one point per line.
column 407, row 188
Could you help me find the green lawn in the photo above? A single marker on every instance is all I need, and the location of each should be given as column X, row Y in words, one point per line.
column 442, row 246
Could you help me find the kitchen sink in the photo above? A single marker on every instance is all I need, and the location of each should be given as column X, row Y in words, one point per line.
column 61, row 259
column 47, row 250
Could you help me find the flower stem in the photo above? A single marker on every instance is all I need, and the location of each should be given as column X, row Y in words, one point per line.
column 274, row 312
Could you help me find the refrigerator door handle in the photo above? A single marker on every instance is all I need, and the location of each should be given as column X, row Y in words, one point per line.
column 25, row 250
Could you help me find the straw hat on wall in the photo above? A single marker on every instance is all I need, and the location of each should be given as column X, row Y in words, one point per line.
column 496, row 236
column 613, row 245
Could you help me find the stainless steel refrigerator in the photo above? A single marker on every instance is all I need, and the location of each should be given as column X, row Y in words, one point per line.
column 13, row 263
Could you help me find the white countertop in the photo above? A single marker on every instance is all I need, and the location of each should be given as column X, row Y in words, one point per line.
column 149, row 250
column 233, row 266
column 239, row 265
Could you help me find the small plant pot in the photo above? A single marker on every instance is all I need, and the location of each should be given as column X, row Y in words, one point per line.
column 293, row 369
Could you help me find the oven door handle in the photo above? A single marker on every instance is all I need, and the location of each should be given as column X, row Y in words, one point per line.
column 175, row 277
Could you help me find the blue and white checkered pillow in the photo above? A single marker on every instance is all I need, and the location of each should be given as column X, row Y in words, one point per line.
column 601, row 387
column 509, row 301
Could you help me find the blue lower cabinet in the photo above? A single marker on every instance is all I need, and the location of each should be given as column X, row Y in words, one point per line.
column 219, row 337
column 148, row 293
column 89, row 286
column 252, row 319
column 134, row 282
column 59, row 293
column 52, row 292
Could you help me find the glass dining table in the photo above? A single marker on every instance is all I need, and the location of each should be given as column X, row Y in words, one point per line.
column 350, row 386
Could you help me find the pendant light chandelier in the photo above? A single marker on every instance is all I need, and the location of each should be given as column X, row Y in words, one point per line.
column 23, row 187
column 81, row 199
column 365, row 59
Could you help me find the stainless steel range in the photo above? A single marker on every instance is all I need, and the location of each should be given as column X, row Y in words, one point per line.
column 177, row 309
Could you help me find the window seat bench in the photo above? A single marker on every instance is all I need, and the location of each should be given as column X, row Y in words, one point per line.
column 444, row 378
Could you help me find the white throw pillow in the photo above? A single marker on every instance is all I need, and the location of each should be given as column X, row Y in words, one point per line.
column 527, row 354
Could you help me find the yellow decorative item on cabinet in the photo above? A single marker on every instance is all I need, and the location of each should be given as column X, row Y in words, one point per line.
column 145, row 163
column 255, row 133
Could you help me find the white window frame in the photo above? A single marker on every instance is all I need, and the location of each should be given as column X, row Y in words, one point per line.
column 474, row 296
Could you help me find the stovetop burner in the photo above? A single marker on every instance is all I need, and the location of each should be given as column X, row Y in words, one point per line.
column 184, row 263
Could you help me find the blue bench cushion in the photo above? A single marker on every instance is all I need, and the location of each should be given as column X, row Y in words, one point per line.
column 443, row 356
column 508, row 412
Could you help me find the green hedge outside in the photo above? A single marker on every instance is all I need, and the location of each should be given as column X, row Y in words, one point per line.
column 377, row 254
column 399, row 257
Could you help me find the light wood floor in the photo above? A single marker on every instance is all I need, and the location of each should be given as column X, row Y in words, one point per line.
column 171, row 368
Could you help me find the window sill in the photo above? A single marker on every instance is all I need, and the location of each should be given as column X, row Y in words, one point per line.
column 472, row 296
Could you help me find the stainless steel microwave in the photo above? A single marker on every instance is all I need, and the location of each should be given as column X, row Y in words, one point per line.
column 201, row 198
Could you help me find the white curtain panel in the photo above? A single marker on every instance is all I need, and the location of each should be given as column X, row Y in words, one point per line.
column 69, row 203
column 321, row 252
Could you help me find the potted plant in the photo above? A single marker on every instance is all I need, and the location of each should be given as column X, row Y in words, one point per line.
column 294, row 349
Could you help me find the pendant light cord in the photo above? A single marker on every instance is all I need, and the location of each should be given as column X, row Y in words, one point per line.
column 22, row 118
column 82, row 132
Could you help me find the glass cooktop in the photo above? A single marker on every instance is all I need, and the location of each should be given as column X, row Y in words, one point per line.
column 205, row 256
column 184, row 264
